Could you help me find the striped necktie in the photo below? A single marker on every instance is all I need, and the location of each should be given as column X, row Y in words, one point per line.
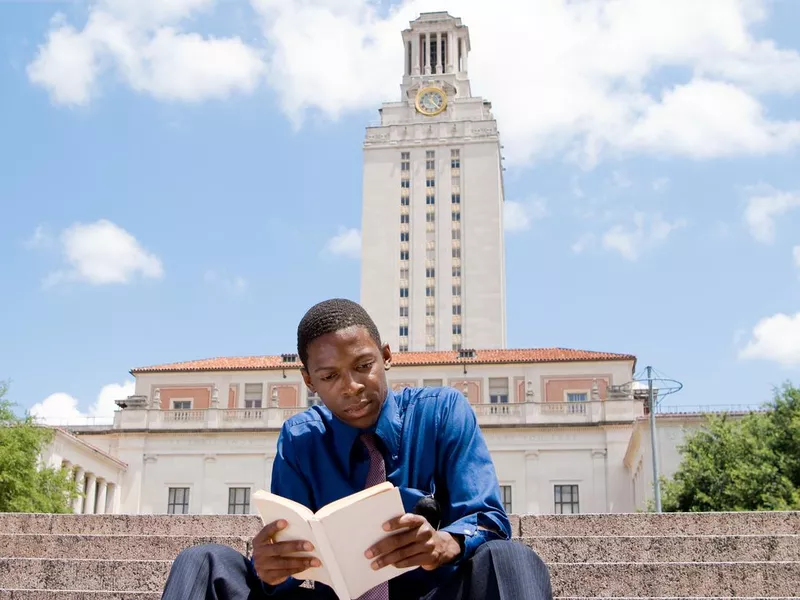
column 376, row 475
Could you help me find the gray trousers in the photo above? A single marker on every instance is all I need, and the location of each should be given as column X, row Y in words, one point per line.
column 499, row 570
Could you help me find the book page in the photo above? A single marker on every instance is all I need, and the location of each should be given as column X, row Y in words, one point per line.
column 273, row 508
column 355, row 526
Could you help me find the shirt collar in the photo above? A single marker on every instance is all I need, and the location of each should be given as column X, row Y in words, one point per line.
column 387, row 429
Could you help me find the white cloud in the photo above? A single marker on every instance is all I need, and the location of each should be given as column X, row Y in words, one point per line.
column 103, row 253
column 592, row 66
column 645, row 233
column 346, row 243
column 777, row 339
column 61, row 409
column 232, row 285
column 518, row 216
column 661, row 184
column 142, row 42
column 762, row 210
column 39, row 238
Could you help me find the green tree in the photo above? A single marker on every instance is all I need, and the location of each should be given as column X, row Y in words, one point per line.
column 737, row 464
column 26, row 485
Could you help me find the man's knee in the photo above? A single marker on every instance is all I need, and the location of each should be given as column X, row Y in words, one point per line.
column 205, row 553
column 510, row 552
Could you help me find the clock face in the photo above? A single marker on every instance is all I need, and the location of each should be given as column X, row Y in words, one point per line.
column 431, row 101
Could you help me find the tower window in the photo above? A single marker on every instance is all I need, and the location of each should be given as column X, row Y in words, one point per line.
column 403, row 236
column 403, row 254
column 456, row 290
column 404, row 292
column 405, row 183
column 430, row 311
column 430, row 183
column 404, row 200
column 403, row 330
column 457, row 215
column 456, row 198
column 404, row 218
column 456, row 252
column 430, row 217
column 456, row 234
column 430, row 200
column 408, row 58
column 430, row 272
column 456, row 329
column 456, row 271
column 430, row 291
column 403, row 311
column 456, row 309
column 455, row 159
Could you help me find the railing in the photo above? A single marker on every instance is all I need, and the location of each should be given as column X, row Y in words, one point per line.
column 708, row 408
column 490, row 414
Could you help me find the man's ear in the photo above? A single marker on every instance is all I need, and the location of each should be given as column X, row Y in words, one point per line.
column 307, row 380
column 386, row 353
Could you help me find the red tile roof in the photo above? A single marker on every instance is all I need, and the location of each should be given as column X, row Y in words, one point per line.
column 400, row 359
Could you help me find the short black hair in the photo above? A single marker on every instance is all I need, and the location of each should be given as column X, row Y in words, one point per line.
column 329, row 316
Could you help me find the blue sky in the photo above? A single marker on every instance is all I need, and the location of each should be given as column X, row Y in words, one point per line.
column 175, row 175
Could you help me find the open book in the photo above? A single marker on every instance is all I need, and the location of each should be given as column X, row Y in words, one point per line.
column 341, row 532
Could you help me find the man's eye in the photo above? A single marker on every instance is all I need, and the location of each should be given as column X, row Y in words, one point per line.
column 367, row 365
column 329, row 377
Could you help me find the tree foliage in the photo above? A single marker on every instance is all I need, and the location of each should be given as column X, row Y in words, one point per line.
column 26, row 485
column 737, row 464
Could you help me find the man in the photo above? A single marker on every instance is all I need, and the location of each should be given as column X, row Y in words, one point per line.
column 426, row 441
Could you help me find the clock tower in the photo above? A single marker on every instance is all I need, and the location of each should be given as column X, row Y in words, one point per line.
column 433, row 265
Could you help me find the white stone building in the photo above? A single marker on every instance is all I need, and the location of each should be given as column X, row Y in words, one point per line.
column 566, row 428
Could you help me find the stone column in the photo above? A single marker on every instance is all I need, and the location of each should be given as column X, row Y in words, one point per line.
column 102, row 487
column 531, row 484
column 111, row 498
column 439, row 61
column 415, row 55
column 77, row 504
column 427, row 56
column 452, row 52
column 91, row 486
column 600, row 491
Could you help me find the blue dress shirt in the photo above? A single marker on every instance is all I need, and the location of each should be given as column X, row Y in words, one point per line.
column 431, row 444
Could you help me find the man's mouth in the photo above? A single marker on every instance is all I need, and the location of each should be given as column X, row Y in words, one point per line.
column 359, row 409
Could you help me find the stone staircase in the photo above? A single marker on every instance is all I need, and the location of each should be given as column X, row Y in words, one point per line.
column 719, row 555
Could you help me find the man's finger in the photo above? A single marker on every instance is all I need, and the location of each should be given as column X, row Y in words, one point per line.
column 409, row 520
column 269, row 530
column 393, row 542
column 280, row 563
column 402, row 554
column 284, row 548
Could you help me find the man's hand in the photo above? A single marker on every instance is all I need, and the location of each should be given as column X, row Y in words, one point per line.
column 271, row 559
column 420, row 546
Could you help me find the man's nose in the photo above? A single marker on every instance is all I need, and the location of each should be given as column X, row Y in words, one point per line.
column 353, row 387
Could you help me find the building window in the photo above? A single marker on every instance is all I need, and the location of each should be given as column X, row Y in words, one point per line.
column 456, row 271
column 430, row 311
column 431, row 383
column 455, row 159
column 253, row 393
column 456, row 252
column 405, row 218
column 456, row 329
column 456, row 198
column 457, row 216
column 405, row 156
column 403, row 330
column 181, row 405
column 239, row 501
column 430, row 291
column 403, row 347
column 577, row 397
column 403, row 254
column 430, row 330
column 457, row 346
column 430, row 217
column 430, row 183
column 405, row 161
column 403, row 273
column 498, row 390
column 404, row 200
column 430, row 272
column 404, row 236
column 403, row 311
column 456, row 290
column 178, row 501
column 430, row 200
column 505, row 496
column 566, row 499
column 404, row 292
column 430, row 159
column 456, row 309
column 405, row 183
column 456, row 234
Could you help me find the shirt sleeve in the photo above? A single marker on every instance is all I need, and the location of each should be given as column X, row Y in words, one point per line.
column 287, row 481
column 474, row 509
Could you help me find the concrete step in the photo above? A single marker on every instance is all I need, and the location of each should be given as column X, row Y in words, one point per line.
column 76, row 595
column 636, row 524
column 91, row 595
column 761, row 579
column 753, row 579
column 660, row 549
column 653, row 524
column 193, row 525
column 577, row 549
column 155, row 547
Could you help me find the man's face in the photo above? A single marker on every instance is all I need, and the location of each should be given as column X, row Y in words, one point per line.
column 347, row 369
